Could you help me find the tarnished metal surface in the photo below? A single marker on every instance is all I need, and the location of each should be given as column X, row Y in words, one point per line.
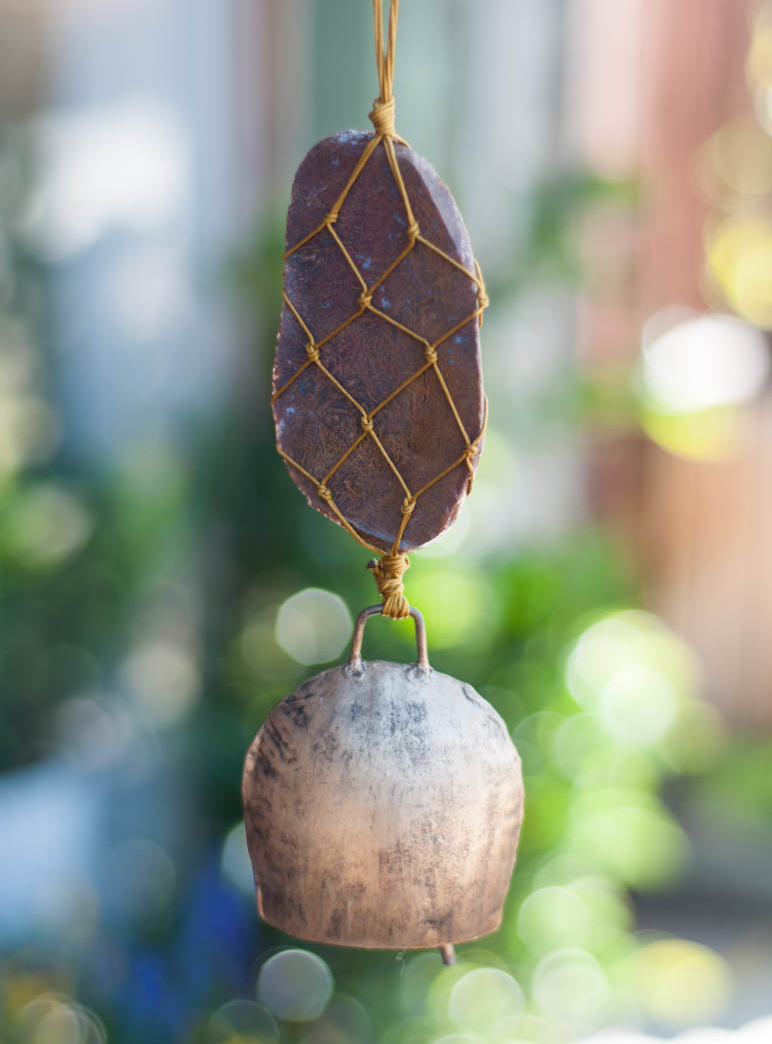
column 315, row 422
column 383, row 807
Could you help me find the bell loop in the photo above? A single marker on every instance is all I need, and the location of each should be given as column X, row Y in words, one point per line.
column 421, row 668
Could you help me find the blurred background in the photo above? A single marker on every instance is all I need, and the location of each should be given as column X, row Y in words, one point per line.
column 608, row 587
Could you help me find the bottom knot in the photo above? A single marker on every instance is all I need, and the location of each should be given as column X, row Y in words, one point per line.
column 387, row 573
column 324, row 492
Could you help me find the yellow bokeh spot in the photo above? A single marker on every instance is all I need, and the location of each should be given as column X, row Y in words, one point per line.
column 709, row 435
column 680, row 982
column 20, row 990
column 739, row 260
column 696, row 373
column 759, row 64
column 739, row 155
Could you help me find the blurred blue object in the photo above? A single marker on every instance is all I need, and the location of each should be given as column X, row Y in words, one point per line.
column 50, row 836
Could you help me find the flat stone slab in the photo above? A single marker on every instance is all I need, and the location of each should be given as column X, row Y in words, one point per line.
column 371, row 354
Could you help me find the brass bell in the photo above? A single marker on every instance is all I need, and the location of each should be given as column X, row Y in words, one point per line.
column 383, row 804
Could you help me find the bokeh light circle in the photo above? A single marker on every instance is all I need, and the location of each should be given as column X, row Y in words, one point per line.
column 242, row 1022
column 681, row 982
column 704, row 361
column 345, row 1021
column 639, row 705
column 635, row 673
column 698, row 371
column 53, row 1018
column 313, row 626
column 739, row 256
column 629, row 833
column 482, row 997
column 47, row 524
column 737, row 160
column 552, row 917
column 570, row 987
column 295, row 985
column 163, row 678
column 59, row 1025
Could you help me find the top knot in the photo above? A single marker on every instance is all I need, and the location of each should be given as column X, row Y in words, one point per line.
column 382, row 116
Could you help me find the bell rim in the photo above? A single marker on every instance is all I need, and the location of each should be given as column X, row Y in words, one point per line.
column 457, row 938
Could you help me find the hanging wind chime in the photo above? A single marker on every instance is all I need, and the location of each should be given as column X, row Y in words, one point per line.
column 382, row 801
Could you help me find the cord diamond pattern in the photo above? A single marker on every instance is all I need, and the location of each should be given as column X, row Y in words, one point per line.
column 315, row 349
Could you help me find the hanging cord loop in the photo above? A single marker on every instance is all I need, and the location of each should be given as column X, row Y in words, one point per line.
column 382, row 114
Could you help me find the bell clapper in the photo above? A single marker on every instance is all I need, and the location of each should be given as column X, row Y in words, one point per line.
column 447, row 953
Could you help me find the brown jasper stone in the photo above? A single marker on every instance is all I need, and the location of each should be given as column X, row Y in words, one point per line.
column 315, row 422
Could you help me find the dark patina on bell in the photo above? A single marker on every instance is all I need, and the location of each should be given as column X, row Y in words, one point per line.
column 383, row 804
